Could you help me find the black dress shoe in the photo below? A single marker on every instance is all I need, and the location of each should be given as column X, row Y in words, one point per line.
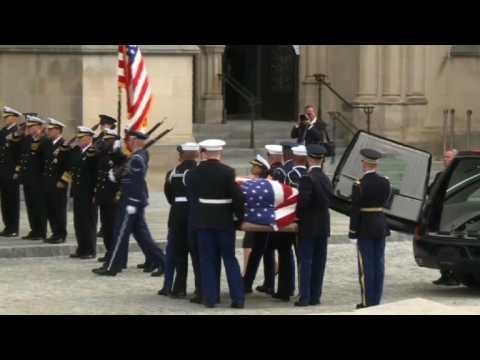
column 196, row 300
column 36, row 238
column 55, row 241
column 178, row 295
column 141, row 266
column 164, row 292
column 281, row 297
column 302, row 304
column 74, row 256
column 237, row 305
column 87, row 257
column 158, row 273
column 315, row 303
column 7, row 234
column 105, row 272
column 28, row 237
column 361, row 306
column 264, row 290
column 248, row 291
column 102, row 259
column 149, row 269
column 209, row 306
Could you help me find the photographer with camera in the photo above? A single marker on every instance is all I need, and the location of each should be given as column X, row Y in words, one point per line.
column 311, row 130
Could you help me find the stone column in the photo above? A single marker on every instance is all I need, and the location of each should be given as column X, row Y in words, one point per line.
column 368, row 74
column 416, row 83
column 314, row 60
column 211, row 97
column 392, row 74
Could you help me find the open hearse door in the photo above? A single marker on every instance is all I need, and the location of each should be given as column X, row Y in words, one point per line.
column 407, row 168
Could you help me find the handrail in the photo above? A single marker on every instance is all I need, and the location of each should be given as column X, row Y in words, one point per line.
column 252, row 100
column 347, row 124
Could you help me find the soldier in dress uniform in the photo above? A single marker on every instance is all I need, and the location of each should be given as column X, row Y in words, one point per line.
column 29, row 171
column 314, row 227
column 218, row 206
column 81, row 174
column 282, row 242
column 300, row 167
column 130, row 217
column 368, row 227
column 55, row 197
column 9, row 188
column 259, row 244
column 105, row 190
column 288, row 156
column 107, row 124
column 176, row 266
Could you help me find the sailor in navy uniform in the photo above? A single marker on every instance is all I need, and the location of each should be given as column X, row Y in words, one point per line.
column 130, row 218
column 176, row 265
column 314, row 227
column 9, row 188
column 368, row 227
column 217, row 208
column 299, row 168
column 288, row 156
column 29, row 172
column 80, row 173
column 282, row 242
column 55, row 196
column 259, row 246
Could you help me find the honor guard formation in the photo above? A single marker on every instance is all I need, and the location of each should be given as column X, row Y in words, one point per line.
column 105, row 176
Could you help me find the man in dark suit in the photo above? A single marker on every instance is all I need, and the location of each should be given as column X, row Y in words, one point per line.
column 55, row 197
column 9, row 188
column 314, row 227
column 310, row 129
column 218, row 206
column 447, row 277
column 369, row 228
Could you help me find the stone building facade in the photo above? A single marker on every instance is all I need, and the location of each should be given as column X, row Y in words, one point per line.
column 410, row 86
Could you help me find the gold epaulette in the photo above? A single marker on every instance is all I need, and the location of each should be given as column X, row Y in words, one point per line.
column 67, row 177
column 16, row 138
column 35, row 146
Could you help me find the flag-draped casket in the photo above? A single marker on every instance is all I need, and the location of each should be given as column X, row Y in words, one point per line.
column 270, row 205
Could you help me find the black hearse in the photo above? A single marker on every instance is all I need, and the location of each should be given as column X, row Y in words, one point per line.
column 445, row 224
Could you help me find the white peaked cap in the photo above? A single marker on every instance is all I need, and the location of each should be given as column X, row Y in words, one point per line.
column 34, row 120
column 53, row 122
column 300, row 150
column 274, row 149
column 213, row 145
column 8, row 111
column 85, row 130
column 190, row 147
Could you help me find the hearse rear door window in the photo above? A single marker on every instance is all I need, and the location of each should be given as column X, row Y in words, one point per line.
column 409, row 172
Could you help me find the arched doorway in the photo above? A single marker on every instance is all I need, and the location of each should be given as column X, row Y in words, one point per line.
column 271, row 73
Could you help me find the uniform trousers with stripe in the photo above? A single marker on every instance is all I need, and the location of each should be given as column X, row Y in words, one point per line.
column 176, row 263
column 214, row 245
column 283, row 242
column 371, row 264
column 107, row 217
column 56, row 205
column 125, row 226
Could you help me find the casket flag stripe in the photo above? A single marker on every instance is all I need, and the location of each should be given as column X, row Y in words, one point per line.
column 132, row 75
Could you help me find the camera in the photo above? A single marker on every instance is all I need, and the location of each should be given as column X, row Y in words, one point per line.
column 303, row 118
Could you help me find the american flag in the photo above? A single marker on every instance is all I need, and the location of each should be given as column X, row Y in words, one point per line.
column 132, row 75
column 269, row 202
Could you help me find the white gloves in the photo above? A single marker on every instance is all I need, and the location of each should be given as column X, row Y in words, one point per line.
column 354, row 241
column 117, row 145
column 111, row 176
column 131, row 210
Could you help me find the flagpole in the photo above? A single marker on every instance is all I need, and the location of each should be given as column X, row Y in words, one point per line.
column 119, row 111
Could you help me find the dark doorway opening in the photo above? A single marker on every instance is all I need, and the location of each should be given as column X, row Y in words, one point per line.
column 271, row 73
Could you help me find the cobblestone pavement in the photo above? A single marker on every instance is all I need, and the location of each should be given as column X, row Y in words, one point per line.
column 61, row 286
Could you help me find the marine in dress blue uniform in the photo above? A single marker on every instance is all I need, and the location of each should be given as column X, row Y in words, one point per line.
column 369, row 228
column 9, row 188
column 314, row 227
column 218, row 207
column 176, row 265
column 130, row 218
